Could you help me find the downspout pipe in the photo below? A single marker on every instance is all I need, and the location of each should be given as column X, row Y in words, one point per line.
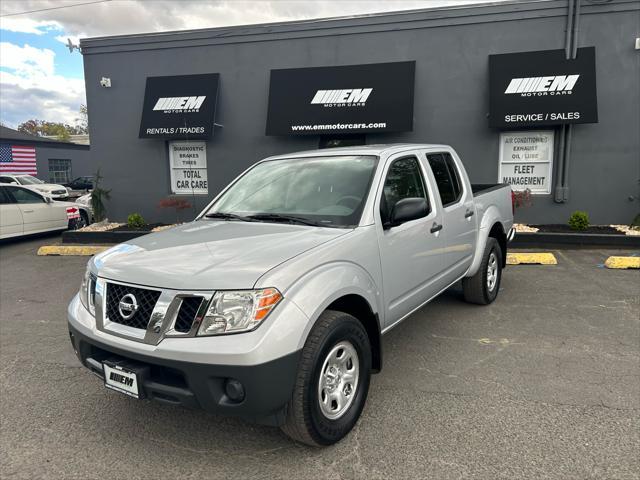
column 560, row 169
column 567, row 155
column 561, row 193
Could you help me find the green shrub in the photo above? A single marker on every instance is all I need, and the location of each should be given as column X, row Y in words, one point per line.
column 579, row 221
column 135, row 220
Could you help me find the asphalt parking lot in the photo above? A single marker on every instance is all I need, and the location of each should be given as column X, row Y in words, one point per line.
column 544, row 383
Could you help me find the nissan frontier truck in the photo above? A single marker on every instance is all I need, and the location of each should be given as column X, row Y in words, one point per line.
column 271, row 305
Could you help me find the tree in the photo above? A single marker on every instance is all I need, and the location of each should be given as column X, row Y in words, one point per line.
column 61, row 131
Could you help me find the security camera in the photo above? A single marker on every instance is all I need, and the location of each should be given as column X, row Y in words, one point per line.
column 105, row 82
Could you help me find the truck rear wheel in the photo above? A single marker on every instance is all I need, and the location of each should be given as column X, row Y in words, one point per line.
column 483, row 287
column 332, row 381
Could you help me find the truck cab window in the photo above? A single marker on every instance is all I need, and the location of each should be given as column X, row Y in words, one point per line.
column 446, row 177
column 404, row 180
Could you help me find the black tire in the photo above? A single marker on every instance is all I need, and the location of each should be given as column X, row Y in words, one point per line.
column 476, row 289
column 305, row 421
column 77, row 223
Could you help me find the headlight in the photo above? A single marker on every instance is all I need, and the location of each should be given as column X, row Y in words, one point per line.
column 88, row 291
column 238, row 311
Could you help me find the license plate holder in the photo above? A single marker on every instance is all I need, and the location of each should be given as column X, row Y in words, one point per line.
column 125, row 377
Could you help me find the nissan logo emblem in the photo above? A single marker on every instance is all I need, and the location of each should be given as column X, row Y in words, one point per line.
column 128, row 306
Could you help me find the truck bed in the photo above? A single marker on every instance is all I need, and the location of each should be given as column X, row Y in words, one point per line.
column 482, row 188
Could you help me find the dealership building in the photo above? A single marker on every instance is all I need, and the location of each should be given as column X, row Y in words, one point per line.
column 541, row 94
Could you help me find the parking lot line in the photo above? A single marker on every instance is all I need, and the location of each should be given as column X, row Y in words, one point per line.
column 535, row 258
column 622, row 262
column 78, row 250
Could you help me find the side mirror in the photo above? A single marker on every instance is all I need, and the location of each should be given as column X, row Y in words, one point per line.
column 408, row 209
column 14, row 183
column 48, row 199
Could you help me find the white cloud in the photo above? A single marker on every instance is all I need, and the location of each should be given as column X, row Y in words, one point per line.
column 26, row 61
column 30, row 87
column 138, row 16
column 28, row 25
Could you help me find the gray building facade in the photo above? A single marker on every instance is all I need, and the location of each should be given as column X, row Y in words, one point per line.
column 450, row 48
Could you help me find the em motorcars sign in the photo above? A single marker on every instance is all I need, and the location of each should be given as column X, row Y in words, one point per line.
column 179, row 107
column 338, row 100
column 541, row 88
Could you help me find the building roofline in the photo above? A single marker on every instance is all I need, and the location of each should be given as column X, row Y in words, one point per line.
column 384, row 21
column 9, row 135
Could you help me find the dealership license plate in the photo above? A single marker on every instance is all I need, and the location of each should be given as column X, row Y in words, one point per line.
column 121, row 380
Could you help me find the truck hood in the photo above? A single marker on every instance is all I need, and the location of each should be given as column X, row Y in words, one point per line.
column 209, row 254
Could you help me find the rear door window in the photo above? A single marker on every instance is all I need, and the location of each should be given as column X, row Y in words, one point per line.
column 4, row 196
column 446, row 176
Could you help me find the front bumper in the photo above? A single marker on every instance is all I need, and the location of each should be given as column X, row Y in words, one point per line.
column 268, row 386
column 192, row 371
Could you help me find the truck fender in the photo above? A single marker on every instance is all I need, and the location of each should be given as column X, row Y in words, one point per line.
column 489, row 219
column 314, row 292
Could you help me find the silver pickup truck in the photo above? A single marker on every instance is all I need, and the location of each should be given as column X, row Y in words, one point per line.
column 271, row 305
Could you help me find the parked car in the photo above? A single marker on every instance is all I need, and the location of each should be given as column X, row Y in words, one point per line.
column 24, row 211
column 85, row 201
column 84, row 183
column 51, row 189
column 272, row 303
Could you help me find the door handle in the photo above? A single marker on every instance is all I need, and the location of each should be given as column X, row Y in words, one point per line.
column 469, row 213
column 27, row 211
column 435, row 227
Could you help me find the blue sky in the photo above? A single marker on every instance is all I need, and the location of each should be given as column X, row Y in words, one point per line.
column 66, row 64
column 40, row 79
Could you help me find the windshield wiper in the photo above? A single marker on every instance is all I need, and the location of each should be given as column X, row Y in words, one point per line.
column 228, row 216
column 278, row 217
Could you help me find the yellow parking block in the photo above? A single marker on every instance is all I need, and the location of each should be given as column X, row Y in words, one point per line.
column 542, row 258
column 622, row 262
column 81, row 250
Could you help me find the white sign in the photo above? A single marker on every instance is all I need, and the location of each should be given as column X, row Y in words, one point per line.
column 188, row 166
column 526, row 160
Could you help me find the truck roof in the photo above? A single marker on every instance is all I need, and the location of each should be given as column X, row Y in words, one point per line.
column 379, row 149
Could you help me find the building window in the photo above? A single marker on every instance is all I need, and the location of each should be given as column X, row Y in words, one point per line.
column 59, row 170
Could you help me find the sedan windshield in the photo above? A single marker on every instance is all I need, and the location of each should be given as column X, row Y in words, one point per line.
column 325, row 191
column 28, row 180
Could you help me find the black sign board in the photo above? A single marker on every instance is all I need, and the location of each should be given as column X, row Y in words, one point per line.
column 179, row 107
column 534, row 89
column 341, row 100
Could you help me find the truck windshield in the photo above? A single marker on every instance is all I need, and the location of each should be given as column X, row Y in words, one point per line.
column 325, row 191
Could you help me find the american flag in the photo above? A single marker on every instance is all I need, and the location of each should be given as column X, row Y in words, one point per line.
column 17, row 159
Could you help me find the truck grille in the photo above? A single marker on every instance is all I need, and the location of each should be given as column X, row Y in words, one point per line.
column 187, row 314
column 146, row 300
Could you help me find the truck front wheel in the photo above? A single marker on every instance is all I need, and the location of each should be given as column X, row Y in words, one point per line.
column 483, row 287
column 332, row 381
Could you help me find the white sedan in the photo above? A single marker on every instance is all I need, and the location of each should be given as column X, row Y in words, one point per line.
column 24, row 211
column 53, row 190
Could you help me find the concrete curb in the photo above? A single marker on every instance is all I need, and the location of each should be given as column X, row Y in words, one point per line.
column 78, row 250
column 573, row 240
column 538, row 258
column 622, row 262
